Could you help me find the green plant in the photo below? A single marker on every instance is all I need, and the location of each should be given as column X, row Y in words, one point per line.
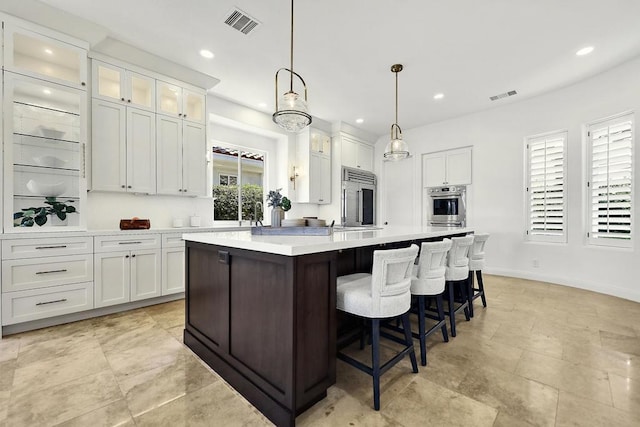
column 275, row 199
column 226, row 205
column 38, row 215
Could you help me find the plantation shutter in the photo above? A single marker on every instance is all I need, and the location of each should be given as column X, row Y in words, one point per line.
column 546, row 187
column 610, row 182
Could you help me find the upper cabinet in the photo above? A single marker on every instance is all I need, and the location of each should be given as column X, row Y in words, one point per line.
column 451, row 167
column 181, row 102
column 313, row 168
column 37, row 52
column 356, row 153
column 117, row 84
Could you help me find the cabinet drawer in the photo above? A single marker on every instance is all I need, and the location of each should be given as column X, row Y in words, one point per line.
column 33, row 304
column 51, row 246
column 126, row 243
column 173, row 240
column 21, row 274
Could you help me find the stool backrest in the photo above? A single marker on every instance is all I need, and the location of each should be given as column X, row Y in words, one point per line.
column 391, row 272
column 458, row 258
column 429, row 278
column 477, row 249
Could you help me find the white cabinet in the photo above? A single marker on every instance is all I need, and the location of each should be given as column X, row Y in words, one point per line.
column 44, row 148
column 181, row 157
column 117, row 84
column 123, row 148
column 38, row 52
column 313, row 183
column 452, row 167
column 173, row 272
column 180, row 102
column 126, row 275
column 355, row 153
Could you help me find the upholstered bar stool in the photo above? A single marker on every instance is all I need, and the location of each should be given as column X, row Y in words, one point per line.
column 428, row 281
column 383, row 294
column 457, row 275
column 476, row 263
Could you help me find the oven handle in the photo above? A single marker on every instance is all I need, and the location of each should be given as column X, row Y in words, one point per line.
column 448, row 196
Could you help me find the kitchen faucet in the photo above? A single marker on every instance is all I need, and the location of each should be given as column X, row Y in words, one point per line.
column 255, row 214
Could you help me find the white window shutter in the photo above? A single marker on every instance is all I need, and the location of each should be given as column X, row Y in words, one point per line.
column 610, row 181
column 546, row 187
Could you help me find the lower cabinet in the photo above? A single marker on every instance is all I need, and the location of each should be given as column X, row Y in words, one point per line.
column 172, row 271
column 126, row 276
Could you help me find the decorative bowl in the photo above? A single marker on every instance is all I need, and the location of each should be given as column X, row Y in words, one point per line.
column 46, row 189
column 49, row 161
column 48, row 132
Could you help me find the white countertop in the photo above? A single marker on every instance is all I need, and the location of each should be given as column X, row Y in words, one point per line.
column 61, row 232
column 301, row 245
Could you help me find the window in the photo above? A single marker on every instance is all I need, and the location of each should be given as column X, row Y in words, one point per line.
column 238, row 183
column 610, row 148
column 546, row 187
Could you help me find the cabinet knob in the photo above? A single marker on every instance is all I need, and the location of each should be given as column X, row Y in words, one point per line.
column 184, row 189
column 128, row 100
column 358, row 165
column 184, row 115
column 128, row 186
column 179, row 114
column 124, row 186
column 133, row 256
column 321, row 200
column 180, row 190
column 83, row 83
column 126, row 256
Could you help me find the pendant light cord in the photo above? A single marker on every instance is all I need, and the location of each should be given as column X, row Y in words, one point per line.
column 291, row 69
column 396, row 73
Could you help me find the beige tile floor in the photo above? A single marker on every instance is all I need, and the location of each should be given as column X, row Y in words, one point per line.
column 539, row 354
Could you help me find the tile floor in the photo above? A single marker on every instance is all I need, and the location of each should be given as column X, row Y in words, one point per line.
column 540, row 354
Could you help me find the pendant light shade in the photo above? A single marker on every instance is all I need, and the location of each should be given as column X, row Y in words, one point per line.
column 396, row 149
column 292, row 112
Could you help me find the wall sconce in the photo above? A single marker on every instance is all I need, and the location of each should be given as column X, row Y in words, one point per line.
column 293, row 177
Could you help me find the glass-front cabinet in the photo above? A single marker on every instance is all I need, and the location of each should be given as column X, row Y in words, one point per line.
column 45, row 148
column 39, row 55
column 180, row 102
column 117, row 84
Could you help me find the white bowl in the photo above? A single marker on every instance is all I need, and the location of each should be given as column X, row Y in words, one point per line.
column 49, row 161
column 48, row 132
column 46, row 189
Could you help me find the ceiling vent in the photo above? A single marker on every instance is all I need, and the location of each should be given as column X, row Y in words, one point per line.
column 241, row 21
column 503, row 95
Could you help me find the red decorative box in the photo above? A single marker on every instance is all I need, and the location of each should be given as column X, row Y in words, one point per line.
column 135, row 224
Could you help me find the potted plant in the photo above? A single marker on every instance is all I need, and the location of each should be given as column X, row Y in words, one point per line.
column 39, row 215
column 280, row 205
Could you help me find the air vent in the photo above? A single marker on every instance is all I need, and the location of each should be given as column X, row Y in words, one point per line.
column 503, row 95
column 241, row 21
column 357, row 175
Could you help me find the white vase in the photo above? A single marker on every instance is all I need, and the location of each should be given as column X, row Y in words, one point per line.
column 277, row 215
column 54, row 221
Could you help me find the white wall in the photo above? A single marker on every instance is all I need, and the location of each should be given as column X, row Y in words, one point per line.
column 496, row 198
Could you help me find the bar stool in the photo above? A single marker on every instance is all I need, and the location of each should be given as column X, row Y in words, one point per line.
column 383, row 294
column 476, row 263
column 428, row 281
column 457, row 275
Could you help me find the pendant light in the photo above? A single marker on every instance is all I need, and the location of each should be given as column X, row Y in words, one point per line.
column 292, row 113
column 396, row 149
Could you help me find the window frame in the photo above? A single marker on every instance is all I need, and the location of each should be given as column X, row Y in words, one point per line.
column 530, row 235
column 604, row 240
column 228, row 176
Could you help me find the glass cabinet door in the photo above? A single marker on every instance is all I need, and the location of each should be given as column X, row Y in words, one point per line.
column 108, row 81
column 193, row 106
column 320, row 142
column 141, row 91
column 169, row 99
column 45, row 135
column 28, row 52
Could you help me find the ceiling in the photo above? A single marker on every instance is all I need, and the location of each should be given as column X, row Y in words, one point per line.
column 468, row 50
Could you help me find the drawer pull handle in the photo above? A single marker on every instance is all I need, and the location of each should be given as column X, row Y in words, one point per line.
column 52, row 302
column 64, row 270
column 51, row 247
column 129, row 243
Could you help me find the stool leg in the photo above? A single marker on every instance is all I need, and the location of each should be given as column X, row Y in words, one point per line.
column 452, row 313
column 464, row 284
column 481, row 287
column 406, row 324
column 470, row 292
column 363, row 334
column 375, row 356
column 421, row 327
column 441, row 317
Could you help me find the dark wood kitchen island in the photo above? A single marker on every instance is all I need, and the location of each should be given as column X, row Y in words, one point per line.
column 260, row 310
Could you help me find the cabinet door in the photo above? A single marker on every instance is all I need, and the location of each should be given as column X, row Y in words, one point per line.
column 325, row 180
column 44, row 54
column 140, row 91
column 169, row 155
column 433, row 170
column 168, row 99
column 365, row 157
column 112, row 278
column 108, row 146
column 141, row 151
column 108, row 81
column 193, row 106
column 319, row 142
column 194, row 174
column 145, row 274
column 459, row 167
column 172, row 270
column 315, row 178
column 349, row 152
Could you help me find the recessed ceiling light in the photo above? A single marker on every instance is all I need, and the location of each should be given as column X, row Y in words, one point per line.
column 46, row 91
column 359, row 121
column 48, row 51
column 206, row 54
column 262, row 105
column 585, row 51
column 438, row 96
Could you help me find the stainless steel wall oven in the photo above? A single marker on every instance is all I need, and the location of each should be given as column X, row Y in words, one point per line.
column 446, row 206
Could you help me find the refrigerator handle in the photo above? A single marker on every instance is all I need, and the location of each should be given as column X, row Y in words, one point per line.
column 358, row 219
column 344, row 206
